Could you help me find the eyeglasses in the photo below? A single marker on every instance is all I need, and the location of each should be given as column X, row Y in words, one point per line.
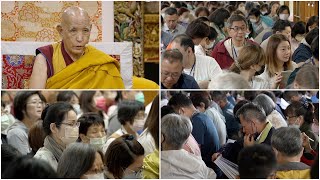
column 237, row 29
column 76, row 124
column 172, row 75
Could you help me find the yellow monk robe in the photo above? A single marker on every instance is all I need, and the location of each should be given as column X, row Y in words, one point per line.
column 143, row 83
column 93, row 70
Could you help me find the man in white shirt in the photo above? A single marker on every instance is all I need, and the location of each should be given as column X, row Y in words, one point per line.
column 202, row 68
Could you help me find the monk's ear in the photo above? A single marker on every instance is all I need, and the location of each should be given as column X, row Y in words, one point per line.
column 59, row 29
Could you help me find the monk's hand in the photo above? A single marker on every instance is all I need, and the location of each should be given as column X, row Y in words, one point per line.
column 248, row 140
column 215, row 156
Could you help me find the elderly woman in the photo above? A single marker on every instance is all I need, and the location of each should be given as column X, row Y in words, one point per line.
column 175, row 161
column 273, row 116
column 81, row 160
column 287, row 144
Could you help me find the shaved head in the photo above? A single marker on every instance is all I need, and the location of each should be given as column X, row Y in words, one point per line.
column 75, row 31
column 72, row 12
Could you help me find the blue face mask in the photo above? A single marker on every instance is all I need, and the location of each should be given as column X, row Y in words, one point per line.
column 139, row 97
column 226, row 24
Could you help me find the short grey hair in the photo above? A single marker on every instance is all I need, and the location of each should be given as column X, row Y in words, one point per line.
column 251, row 111
column 176, row 130
column 229, row 80
column 287, row 140
column 234, row 18
column 265, row 102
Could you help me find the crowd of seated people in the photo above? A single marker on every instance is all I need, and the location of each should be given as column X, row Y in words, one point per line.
column 265, row 134
column 256, row 40
column 65, row 134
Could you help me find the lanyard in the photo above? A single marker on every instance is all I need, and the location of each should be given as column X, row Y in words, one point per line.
column 234, row 52
column 193, row 68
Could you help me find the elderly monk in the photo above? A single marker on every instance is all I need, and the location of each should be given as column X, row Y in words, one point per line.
column 71, row 63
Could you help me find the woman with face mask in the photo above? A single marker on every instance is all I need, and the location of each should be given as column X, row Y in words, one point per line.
column 81, row 161
column 300, row 114
column 258, row 21
column 61, row 127
column 284, row 13
column 184, row 17
column 28, row 106
column 206, row 44
column 218, row 20
column 249, row 64
column 93, row 101
column 124, row 158
column 72, row 98
column 131, row 115
column 92, row 130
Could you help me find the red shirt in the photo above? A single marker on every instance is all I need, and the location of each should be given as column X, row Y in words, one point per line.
column 222, row 56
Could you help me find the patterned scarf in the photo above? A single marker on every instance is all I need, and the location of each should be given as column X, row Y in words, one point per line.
column 55, row 148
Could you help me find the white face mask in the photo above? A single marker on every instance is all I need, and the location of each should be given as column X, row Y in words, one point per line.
column 225, row 24
column 6, row 121
column 284, row 16
column 264, row 12
column 209, row 46
column 247, row 35
column 71, row 135
column 77, row 108
column 185, row 20
column 294, row 125
column 98, row 142
column 95, row 176
column 253, row 20
column 138, row 125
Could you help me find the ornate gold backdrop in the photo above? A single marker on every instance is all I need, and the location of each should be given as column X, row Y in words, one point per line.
column 138, row 22
column 36, row 21
column 133, row 21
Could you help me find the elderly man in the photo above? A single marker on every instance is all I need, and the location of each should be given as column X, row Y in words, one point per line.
column 227, row 51
column 71, row 63
column 254, row 124
column 287, row 144
column 171, row 72
column 176, row 163
column 202, row 68
column 256, row 129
